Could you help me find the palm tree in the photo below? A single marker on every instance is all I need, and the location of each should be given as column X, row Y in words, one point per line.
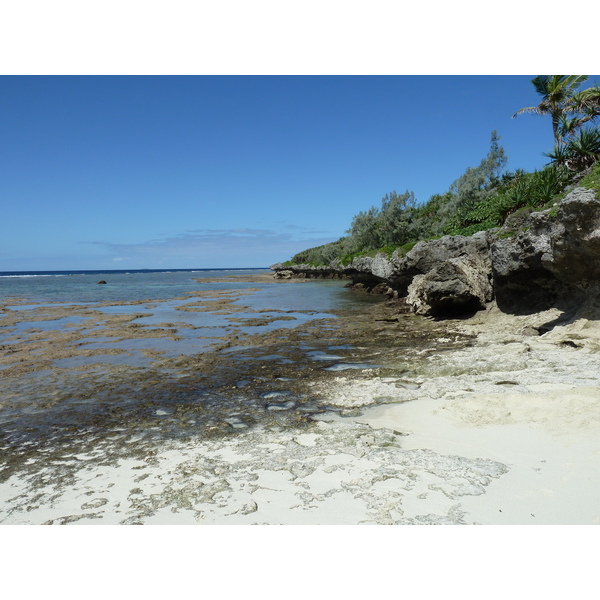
column 587, row 104
column 557, row 92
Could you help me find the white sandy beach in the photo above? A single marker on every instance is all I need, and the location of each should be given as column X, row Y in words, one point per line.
column 542, row 421
column 505, row 431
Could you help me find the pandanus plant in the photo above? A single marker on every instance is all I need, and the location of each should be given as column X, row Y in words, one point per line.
column 580, row 152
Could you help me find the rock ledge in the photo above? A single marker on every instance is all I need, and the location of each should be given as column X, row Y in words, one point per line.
column 551, row 259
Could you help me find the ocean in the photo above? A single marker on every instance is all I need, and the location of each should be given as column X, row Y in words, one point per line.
column 127, row 284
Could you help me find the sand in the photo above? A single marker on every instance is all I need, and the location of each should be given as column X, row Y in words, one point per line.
column 542, row 421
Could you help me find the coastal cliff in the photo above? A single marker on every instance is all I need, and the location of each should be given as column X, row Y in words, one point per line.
column 535, row 261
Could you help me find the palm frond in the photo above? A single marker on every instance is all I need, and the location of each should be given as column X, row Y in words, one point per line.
column 567, row 125
column 557, row 92
column 582, row 150
column 587, row 102
column 540, row 83
column 574, row 81
column 558, row 155
column 530, row 109
column 562, row 86
column 587, row 143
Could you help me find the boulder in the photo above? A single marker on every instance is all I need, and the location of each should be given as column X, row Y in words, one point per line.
column 373, row 274
column 429, row 255
column 457, row 286
column 574, row 255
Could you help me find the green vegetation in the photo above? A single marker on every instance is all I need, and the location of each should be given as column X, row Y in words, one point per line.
column 521, row 191
column 484, row 197
column 557, row 92
column 576, row 139
column 592, row 179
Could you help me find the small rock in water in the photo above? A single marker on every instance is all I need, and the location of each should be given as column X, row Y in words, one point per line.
column 161, row 412
column 269, row 395
column 102, row 282
column 236, row 422
column 282, row 406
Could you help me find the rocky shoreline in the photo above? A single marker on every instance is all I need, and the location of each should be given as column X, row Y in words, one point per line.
column 524, row 393
column 403, row 412
column 249, row 455
column 452, row 421
column 536, row 261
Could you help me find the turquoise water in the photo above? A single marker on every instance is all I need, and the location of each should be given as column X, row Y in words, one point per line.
column 77, row 287
column 318, row 295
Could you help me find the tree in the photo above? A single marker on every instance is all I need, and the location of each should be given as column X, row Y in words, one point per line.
column 557, row 92
column 395, row 218
column 364, row 231
column 483, row 177
column 587, row 104
column 385, row 226
column 475, row 185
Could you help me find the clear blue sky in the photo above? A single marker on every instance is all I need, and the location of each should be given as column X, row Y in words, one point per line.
column 233, row 171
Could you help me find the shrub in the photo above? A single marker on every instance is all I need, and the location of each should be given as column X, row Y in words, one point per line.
column 532, row 190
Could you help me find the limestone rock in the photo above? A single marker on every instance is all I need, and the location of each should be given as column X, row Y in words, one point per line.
column 553, row 261
column 428, row 256
column 378, row 267
column 455, row 286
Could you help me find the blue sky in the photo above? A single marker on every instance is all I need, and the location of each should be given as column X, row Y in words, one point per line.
column 233, row 171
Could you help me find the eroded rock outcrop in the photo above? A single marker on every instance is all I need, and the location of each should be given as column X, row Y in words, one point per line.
column 448, row 276
column 554, row 261
column 551, row 259
column 283, row 271
column 455, row 286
